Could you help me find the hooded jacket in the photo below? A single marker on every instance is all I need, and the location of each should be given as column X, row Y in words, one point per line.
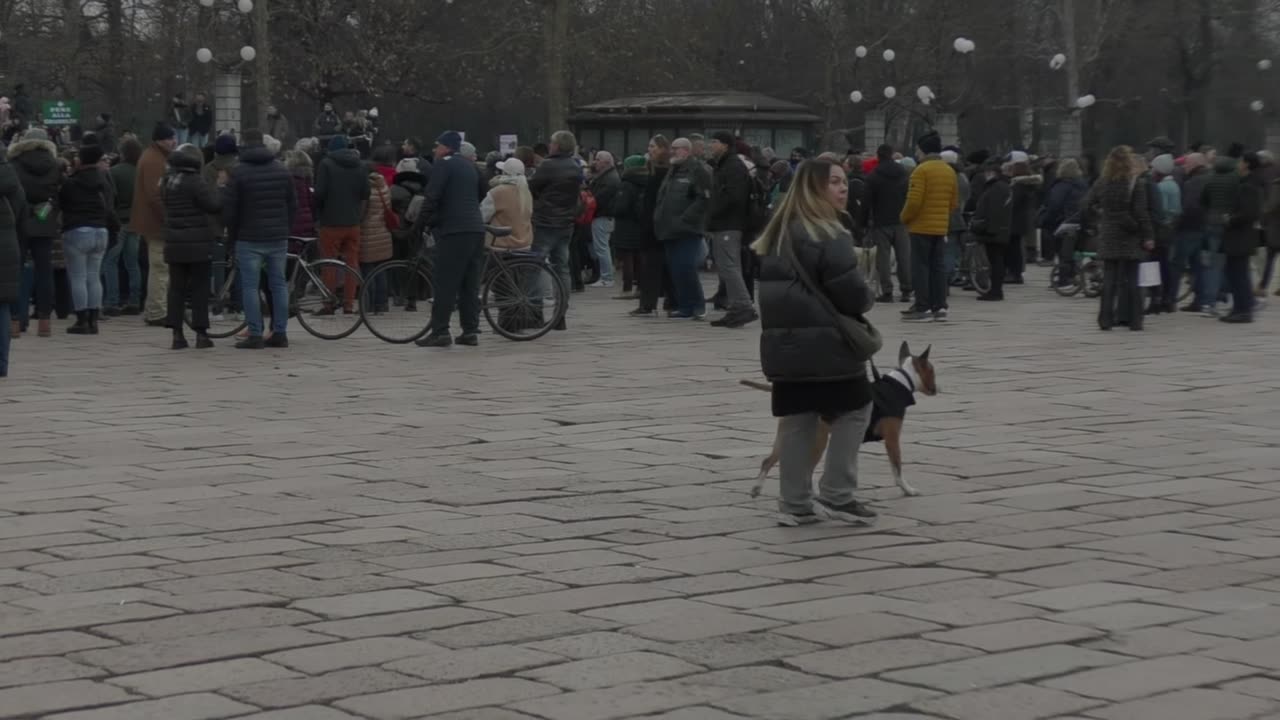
column 87, row 199
column 555, row 185
column 13, row 207
column 510, row 205
column 932, row 194
column 1026, row 204
column 633, row 227
column 188, row 203
column 40, row 173
column 258, row 201
column 886, row 196
column 342, row 189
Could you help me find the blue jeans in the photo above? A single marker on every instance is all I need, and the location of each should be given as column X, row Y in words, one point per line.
column 198, row 139
column 927, row 273
column 1209, row 284
column 379, row 289
column 553, row 243
column 84, row 248
column 682, row 258
column 252, row 258
column 601, row 231
column 4, row 340
column 127, row 249
column 1186, row 256
column 180, row 134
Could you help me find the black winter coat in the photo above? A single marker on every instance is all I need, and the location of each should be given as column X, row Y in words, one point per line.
column 633, row 227
column 1193, row 213
column 188, row 203
column 1064, row 202
column 604, row 187
column 730, row 194
column 1219, row 196
column 886, row 195
column 87, row 199
column 682, row 201
column 652, row 189
column 1026, row 205
column 800, row 341
column 449, row 204
column 991, row 214
column 259, row 201
column 342, row 190
column 555, row 186
column 36, row 162
column 13, row 206
column 1124, row 220
column 1239, row 237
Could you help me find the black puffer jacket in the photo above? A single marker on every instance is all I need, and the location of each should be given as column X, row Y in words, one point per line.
column 36, row 162
column 13, row 205
column 342, row 190
column 555, row 186
column 258, row 201
column 188, row 203
column 1026, row 205
column 1239, row 238
column 87, row 199
column 730, row 194
column 800, row 341
column 990, row 223
column 633, row 227
column 886, row 195
column 449, row 202
column 604, row 186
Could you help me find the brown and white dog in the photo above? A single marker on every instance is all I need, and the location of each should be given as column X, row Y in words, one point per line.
column 913, row 374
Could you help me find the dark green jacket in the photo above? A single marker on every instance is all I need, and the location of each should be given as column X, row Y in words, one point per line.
column 122, row 176
column 683, row 201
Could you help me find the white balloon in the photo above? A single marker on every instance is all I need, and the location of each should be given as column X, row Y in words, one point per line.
column 245, row 6
column 1256, row 106
column 960, row 44
column 860, row 51
column 890, row 92
column 855, row 96
column 969, row 46
column 1057, row 61
column 1264, row 64
column 1085, row 101
column 889, row 55
column 924, row 93
column 247, row 53
column 204, row 55
column 206, row 3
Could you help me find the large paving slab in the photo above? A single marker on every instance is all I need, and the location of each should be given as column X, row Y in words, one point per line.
column 562, row 530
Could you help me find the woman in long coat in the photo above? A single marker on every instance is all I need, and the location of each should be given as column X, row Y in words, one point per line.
column 1124, row 233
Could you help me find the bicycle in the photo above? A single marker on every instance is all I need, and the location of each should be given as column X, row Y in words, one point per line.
column 311, row 300
column 516, row 288
column 1082, row 272
column 974, row 267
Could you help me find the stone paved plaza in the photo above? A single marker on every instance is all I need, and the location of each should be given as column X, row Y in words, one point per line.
column 562, row 529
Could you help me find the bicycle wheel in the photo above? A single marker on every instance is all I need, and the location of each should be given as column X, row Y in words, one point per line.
column 980, row 270
column 523, row 299
column 406, row 315
column 1065, row 280
column 322, row 311
column 225, row 315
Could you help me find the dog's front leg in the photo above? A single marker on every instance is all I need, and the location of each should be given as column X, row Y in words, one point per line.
column 891, row 431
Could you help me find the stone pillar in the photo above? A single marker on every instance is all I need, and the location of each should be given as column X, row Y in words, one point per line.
column 226, row 102
column 948, row 126
column 873, row 130
column 1070, row 143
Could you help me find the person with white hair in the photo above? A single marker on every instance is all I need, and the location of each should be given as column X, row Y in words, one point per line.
column 604, row 186
column 509, row 204
column 468, row 152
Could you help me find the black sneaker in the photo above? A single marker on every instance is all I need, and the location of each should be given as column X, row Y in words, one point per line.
column 468, row 339
column 131, row 310
column 797, row 519
column 179, row 343
column 917, row 316
column 940, row 315
column 852, row 512
column 742, row 319
column 253, row 342
column 435, row 341
column 277, row 340
column 1237, row 318
column 885, row 297
column 641, row 312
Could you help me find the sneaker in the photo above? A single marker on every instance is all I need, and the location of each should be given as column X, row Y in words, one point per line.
column 885, row 297
column 1210, row 311
column 131, row 310
column 940, row 315
column 641, row 312
column 435, row 341
column 852, row 512
column 739, row 319
column 797, row 519
column 468, row 339
column 277, row 340
column 1237, row 318
column 904, row 297
column 918, row 316
column 602, row 284
column 253, row 342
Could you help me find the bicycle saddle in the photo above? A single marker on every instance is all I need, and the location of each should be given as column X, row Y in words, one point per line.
column 497, row 231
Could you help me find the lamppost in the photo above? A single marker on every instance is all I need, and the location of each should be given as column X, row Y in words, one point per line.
column 227, row 82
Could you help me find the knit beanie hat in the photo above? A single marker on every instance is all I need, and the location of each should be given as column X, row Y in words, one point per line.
column 930, row 143
column 1162, row 164
column 163, row 131
column 36, row 134
column 723, row 136
column 451, row 140
column 1194, row 161
column 950, row 157
column 90, row 154
column 338, row 142
column 633, row 161
column 225, row 144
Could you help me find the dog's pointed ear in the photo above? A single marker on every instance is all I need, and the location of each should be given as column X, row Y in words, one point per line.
column 924, row 356
column 904, row 352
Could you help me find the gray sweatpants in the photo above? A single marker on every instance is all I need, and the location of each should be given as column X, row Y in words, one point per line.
column 726, row 249
column 893, row 239
column 839, row 477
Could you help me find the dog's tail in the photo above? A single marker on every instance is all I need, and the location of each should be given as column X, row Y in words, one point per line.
column 767, row 387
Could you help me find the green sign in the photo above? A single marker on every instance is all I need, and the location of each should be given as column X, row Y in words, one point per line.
column 60, row 112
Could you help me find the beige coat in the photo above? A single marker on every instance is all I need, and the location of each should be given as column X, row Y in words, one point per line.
column 375, row 238
column 505, row 200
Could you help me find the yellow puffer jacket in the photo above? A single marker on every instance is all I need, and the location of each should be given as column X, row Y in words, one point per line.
column 931, row 197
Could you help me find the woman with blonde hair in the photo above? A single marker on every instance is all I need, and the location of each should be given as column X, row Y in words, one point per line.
column 809, row 289
column 1124, row 232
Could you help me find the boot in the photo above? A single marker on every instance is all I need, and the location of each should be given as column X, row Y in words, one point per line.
column 202, row 341
column 179, row 340
column 93, row 321
column 44, row 328
column 82, row 323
